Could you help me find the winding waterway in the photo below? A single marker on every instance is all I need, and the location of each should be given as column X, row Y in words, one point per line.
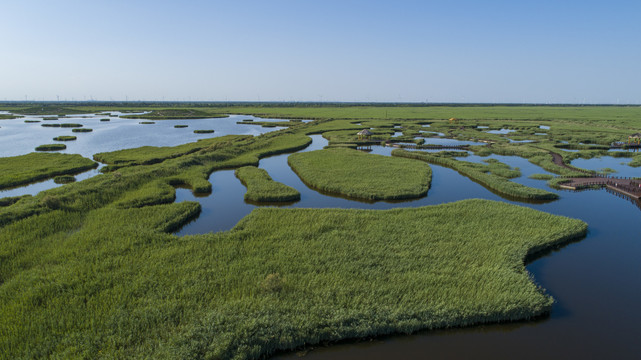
column 596, row 281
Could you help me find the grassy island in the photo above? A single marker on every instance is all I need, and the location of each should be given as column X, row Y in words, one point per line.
column 51, row 147
column 360, row 175
column 64, row 179
column 541, row 176
column 261, row 187
column 203, row 131
column 24, row 169
column 65, row 138
column 64, row 125
column 82, row 130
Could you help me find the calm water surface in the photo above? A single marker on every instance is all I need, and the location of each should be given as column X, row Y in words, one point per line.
column 596, row 281
column 19, row 138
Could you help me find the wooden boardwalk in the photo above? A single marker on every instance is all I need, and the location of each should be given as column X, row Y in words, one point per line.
column 626, row 186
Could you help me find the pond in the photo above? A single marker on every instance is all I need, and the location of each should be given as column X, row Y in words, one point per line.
column 500, row 132
column 596, row 281
column 431, row 132
column 619, row 165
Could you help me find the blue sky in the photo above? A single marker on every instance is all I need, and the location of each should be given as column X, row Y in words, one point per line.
column 410, row 51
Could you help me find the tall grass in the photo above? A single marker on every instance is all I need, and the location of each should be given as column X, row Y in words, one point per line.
column 65, row 138
column 31, row 167
column 363, row 176
column 51, row 147
column 82, row 130
column 146, row 155
column 110, row 283
column 261, row 187
column 64, row 125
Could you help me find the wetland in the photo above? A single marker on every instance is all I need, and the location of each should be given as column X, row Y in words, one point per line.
column 155, row 249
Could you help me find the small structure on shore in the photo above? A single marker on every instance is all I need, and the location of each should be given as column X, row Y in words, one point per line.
column 364, row 134
column 634, row 139
column 453, row 120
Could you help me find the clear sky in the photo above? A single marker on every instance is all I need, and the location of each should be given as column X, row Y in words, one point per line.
column 302, row 50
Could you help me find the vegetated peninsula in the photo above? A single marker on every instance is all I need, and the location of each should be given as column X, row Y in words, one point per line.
column 32, row 167
column 262, row 188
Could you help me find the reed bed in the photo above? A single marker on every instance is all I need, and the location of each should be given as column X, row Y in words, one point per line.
column 89, row 269
column 65, row 138
column 23, row 169
column 279, row 280
column 63, row 125
column 541, row 176
column 147, row 155
column 82, row 130
column 64, row 179
column 51, row 147
column 363, row 176
column 261, row 187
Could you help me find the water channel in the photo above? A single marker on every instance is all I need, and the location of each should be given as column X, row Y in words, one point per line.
column 596, row 281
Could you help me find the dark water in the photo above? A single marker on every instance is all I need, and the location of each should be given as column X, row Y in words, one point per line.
column 596, row 281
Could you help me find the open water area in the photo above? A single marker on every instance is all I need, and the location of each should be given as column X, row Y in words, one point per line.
column 596, row 281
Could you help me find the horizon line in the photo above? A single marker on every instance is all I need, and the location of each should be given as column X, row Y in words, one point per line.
column 322, row 103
